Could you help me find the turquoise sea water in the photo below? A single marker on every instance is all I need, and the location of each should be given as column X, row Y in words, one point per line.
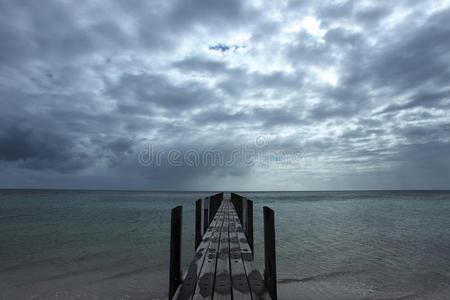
column 330, row 245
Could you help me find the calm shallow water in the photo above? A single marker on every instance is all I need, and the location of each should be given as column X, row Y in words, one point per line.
column 330, row 245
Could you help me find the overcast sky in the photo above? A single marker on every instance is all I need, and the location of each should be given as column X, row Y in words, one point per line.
column 329, row 94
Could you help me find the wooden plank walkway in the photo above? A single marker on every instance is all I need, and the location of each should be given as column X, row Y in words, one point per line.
column 222, row 267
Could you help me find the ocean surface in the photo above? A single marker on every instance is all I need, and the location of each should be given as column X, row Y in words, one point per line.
column 330, row 245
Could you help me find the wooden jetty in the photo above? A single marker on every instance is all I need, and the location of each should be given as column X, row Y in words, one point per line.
column 223, row 266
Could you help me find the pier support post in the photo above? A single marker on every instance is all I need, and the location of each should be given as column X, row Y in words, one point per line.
column 198, row 222
column 249, row 220
column 205, row 215
column 233, row 199
column 237, row 203
column 270, row 272
column 239, row 209
column 211, row 209
column 175, row 250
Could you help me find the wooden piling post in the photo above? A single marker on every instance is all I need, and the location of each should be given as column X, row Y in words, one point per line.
column 175, row 250
column 233, row 199
column 244, row 215
column 211, row 209
column 249, row 232
column 237, row 203
column 205, row 215
column 198, row 223
column 239, row 208
column 270, row 273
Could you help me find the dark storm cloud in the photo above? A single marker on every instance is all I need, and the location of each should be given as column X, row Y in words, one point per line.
column 27, row 143
column 360, row 89
column 40, row 149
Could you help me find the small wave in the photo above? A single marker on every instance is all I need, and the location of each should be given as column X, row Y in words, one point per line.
column 126, row 274
column 18, row 216
column 25, row 265
column 318, row 277
column 54, row 277
column 409, row 296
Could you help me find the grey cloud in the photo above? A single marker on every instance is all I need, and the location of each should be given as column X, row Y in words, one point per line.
column 426, row 99
column 219, row 115
column 51, row 32
column 145, row 92
column 235, row 78
column 214, row 14
column 419, row 58
column 368, row 16
column 84, row 88
column 41, row 149
column 343, row 38
column 336, row 11
column 307, row 50
column 372, row 16
column 201, row 64
column 424, row 134
column 264, row 118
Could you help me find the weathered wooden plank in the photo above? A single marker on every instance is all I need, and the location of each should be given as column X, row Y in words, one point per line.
column 175, row 250
column 240, row 287
column 187, row 289
column 205, row 284
column 222, row 281
column 255, row 280
column 223, row 266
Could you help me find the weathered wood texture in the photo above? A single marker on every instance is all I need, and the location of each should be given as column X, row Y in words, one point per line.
column 249, row 218
column 205, row 215
column 175, row 250
column 237, row 202
column 211, row 211
column 205, row 284
column 270, row 273
column 187, row 289
column 223, row 266
column 222, row 282
column 240, row 284
column 198, row 222
column 255, row 280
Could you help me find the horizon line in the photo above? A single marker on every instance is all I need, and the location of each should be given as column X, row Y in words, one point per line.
column 214, row 191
